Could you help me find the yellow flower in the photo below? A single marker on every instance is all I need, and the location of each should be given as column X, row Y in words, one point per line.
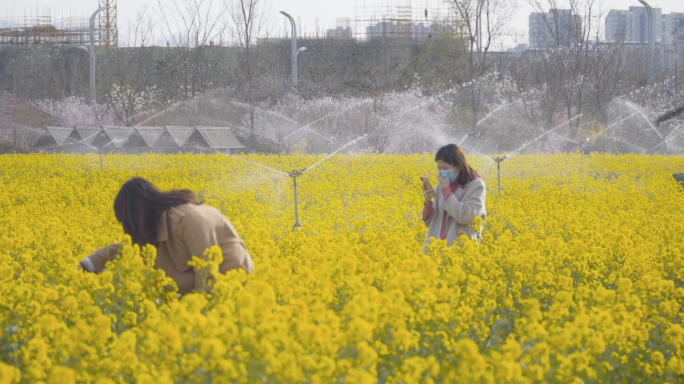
column 578, row 273
column 61, row 375
column 9, row 374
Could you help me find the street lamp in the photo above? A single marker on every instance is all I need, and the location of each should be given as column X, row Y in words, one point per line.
column 84, row 49
column 651, row 39
column 92, row 54
column 478, row 29
column 295, row 51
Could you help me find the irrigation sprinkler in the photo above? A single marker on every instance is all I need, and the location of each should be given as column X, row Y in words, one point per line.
column 101, row 169
column 294, row 174
column 499, row 160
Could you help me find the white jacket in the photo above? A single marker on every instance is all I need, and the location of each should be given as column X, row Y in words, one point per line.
column 463, row 206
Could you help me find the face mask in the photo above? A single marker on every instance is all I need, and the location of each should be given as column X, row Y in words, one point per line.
column 452, row 177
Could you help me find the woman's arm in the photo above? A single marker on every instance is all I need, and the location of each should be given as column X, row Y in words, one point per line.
column 96, row 261
column 428, row 211
column 428, row 203
column 472, row 205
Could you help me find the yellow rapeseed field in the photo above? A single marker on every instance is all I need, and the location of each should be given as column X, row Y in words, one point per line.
column 579, row 277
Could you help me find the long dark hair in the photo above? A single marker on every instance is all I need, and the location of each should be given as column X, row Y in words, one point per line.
column 452, row 154
column 140, row 204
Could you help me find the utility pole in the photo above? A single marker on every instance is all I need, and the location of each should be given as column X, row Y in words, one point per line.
column 295, row 51
column 651, row 39
column 93, row 95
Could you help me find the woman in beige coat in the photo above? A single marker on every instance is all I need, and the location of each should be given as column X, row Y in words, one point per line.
column 459, row 199
column 178, row 226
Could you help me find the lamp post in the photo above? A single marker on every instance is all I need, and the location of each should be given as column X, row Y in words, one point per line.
column 294, row 174
column 478, row 29
column 86, row 51
column 651, row 40
column 92, row 54
column 295, row 51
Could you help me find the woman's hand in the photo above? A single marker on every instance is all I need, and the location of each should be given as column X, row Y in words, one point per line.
column 428, row 194
column 442, row 181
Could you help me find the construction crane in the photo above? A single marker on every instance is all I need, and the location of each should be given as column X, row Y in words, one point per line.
column 108, row 35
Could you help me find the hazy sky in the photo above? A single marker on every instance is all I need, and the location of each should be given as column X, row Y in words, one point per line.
column 325, row 10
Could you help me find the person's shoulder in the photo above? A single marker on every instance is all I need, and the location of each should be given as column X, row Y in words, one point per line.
column 476, row 184
column 191, row 212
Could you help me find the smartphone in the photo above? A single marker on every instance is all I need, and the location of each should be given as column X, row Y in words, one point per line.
column 426, row 183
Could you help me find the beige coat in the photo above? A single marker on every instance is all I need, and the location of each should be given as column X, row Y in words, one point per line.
column 184, row 231
column 463, row 206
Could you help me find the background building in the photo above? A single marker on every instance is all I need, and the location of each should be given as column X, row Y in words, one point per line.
column 632, row 26
column 342, row 29
column 557, row 28
column 621, row 26
column 673, row 26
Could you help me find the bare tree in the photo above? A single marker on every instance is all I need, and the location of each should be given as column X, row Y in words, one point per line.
column 577, row 70
column 477, row 39
column 248, row 23
column 569, row 36
column 192, row 26
column 130, row 88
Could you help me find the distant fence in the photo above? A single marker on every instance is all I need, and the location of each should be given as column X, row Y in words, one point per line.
column 125, row 139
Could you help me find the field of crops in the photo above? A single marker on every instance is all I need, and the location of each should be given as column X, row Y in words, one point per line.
column 579, row 277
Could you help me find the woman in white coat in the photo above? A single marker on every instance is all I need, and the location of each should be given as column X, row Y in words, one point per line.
column 458, row 200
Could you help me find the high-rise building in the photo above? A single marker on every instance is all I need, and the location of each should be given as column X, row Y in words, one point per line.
column 632, row 26
column 339, row 33
column 621, row 26
column 342, row 29
column 416, row 31
column 557, row 28
column 673, row 28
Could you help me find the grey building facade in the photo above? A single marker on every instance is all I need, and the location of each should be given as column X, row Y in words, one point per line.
column 557, row 28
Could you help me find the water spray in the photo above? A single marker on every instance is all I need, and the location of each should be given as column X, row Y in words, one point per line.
column 339, row 149
column 307, row 126
column 318, row 134
column 499, row 160
column 565, row 138
column 294, row 174
column 638, row 111
column 668, row 137
column 463, row 139
column 610, row 126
